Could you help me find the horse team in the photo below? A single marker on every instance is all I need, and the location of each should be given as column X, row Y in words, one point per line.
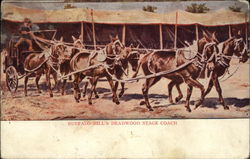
column 112, row 62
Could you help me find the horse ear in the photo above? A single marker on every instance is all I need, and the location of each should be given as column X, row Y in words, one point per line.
column 74, row 39
column 205, row 36
column 61, row 39
column 137, row 46
column 239, row 32
column 131, row 45
column 111, row 38
column 116, row 36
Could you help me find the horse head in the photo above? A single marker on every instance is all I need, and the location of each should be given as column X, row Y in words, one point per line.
column 239, row 49
column 116, row 45
column 78, row 43
column 60, row 53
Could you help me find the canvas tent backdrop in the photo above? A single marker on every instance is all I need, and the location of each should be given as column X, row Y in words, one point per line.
column 150, row 30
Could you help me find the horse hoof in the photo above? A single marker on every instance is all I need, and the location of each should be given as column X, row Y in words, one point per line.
column 51, row 95
column 142, row 102
column 150, row 109
column 117, row 102
column 120, row 95
column 198, row 104
column 96, row 96
column 90, row 103
column 39, row 91
column 226, row 107
column 171, row 102
column 177, row 99
column 188, row 109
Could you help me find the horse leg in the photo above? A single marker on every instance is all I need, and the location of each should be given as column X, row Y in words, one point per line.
column 77, row 93
column 170, row 87
column 209, row 88
column 149, row 82
column 63, row 86
column 189, row 93
column 95, row 92
column 93, row 84
column 115, row 88
column 122, row 90
column 25, row 85
column 177, row 99
column 56, row 81
column 85, row 89
column 197, row 84
column 218, row 89
column 115, row 99
column 48, row 82
column 37, row 80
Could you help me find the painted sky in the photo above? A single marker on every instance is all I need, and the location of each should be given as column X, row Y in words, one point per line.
column 161, row 6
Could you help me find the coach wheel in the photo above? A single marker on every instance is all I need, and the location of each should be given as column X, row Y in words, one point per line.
column 11, row 79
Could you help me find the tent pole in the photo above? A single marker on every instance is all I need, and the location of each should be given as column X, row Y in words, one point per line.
column 82, row 32
column 161, row 41
column 229, row 31
column 246, row 18
column 197, row 32
column 175, row 33
column 93, row 28
column 123, row 34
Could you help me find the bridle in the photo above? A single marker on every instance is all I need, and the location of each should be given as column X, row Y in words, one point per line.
column 202, row 58
column 220, row 58
column 114, row 46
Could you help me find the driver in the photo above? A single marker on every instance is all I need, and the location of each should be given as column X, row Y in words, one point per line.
column 26, row 35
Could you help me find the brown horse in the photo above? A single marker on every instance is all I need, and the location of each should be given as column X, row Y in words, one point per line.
column 201, row 43
column 130, row 57
column 159, row 61
column 109, row 58
column 232, row 46
column 36, row 64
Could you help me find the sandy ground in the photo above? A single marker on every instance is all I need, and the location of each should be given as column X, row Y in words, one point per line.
column 41, row 107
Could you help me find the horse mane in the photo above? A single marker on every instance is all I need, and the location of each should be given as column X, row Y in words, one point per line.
column 226, row 43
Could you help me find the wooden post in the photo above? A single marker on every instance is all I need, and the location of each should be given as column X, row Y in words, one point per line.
column 161, row 40
column 246, row 30
column 82, row 32
column 124, row 34
column 229, row 31
column 197, row 32
column 93, row 28
column 175, row 32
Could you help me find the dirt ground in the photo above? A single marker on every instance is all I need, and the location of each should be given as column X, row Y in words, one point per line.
column 41, row 107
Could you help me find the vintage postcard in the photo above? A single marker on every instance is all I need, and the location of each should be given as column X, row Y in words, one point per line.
column 74, row 66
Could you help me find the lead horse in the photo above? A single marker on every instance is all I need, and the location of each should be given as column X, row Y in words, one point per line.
column 233, row 46
column 159, row 61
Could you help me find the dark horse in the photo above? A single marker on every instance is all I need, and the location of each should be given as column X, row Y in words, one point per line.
column 47, row 62
column 159, row 61
column 232, row 46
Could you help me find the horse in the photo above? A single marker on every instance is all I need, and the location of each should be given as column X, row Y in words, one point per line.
column 108, row 59
column 78, row 46
column 207, row 38
column 131, row 57
column 47, row 62
column 233, row 46
column 181, row 68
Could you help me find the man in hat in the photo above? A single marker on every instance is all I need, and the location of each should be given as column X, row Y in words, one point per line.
column 26, row 35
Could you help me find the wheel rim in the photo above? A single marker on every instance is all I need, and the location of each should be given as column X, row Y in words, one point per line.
column 11, row 79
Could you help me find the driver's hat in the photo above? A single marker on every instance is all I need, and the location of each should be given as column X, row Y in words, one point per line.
column 27, row 20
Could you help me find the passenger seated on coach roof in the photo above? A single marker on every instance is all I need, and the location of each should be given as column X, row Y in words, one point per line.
column 26, row 34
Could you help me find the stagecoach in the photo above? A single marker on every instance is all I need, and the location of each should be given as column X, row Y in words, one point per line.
column 13, row 57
